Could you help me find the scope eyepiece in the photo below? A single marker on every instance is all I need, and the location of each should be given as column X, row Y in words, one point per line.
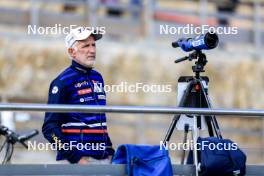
column 211, row 40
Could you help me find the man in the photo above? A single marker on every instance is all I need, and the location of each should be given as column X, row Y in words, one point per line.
column 85, row 133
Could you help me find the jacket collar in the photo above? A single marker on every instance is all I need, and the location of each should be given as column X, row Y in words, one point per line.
column 80, row 67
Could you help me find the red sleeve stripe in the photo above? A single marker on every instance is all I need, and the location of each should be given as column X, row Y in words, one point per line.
column 83, row 131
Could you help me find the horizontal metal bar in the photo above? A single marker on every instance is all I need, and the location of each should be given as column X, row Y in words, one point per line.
column 114, row 169
column 67, row 169
column 128, row 109
column 62, row 169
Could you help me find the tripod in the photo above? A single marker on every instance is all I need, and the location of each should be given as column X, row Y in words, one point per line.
column 195, row 95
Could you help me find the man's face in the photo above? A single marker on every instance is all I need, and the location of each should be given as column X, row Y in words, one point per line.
column 84, row 51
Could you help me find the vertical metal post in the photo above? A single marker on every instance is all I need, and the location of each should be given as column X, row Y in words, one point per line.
column 92, row 12
column 257, row 28
column 195, row 137
column 203, row 11
column 141, row 130
column 34, row 13
column 262, row 152
column 149, row 19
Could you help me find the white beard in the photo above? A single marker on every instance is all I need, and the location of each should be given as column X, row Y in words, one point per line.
column 91, row 65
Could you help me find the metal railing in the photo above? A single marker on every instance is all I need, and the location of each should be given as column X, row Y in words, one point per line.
column 60, row 169
column 114, row 169
column 130, row 109
column 67, row 169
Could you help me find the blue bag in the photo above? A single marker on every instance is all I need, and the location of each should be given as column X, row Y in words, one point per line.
column 215, row 162
column 143, row 160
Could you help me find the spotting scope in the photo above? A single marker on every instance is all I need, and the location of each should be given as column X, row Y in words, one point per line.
column 202, row 42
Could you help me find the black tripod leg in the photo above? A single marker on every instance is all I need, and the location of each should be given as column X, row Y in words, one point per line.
column 210, row 120
column 171, row 128
column 209, row 125
column 177, row 117
column 200, row 97
column 216, row 127
column 214, row 121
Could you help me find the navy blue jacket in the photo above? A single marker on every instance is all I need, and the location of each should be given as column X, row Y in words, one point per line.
column 78, row 85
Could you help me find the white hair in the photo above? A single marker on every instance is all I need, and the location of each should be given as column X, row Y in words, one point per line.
column 74, row 47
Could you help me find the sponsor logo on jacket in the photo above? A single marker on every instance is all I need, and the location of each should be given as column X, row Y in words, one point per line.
column 84, row 91
column 86, row 99
column 101, row 97
column 81, row 84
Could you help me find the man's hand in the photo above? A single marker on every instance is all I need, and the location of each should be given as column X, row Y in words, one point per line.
column 83, row 161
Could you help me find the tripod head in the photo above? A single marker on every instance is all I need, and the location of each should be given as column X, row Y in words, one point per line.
column 202, row 42
column 199, row 64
